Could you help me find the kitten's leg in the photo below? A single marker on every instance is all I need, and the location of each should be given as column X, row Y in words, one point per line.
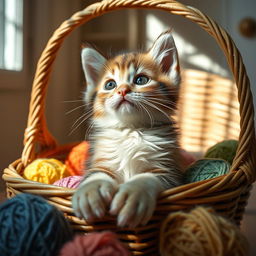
column 135, row 201
column 93, row 196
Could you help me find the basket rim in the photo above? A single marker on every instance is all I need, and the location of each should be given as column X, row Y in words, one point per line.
column 11, row 175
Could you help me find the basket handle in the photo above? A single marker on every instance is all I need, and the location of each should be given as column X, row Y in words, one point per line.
column 37, row 133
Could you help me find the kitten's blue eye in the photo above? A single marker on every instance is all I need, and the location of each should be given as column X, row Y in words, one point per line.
column 110, row 85
column 141, row 80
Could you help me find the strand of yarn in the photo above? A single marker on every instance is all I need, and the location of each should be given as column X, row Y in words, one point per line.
column 31, row 226
column 201, row 232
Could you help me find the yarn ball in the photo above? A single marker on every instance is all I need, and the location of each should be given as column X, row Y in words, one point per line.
column 77, row 157
column 225, row 150
column 187, row 158
column 45, row 170
column 94, row 244
column 205, row 169
column 200, row 232
column 69, row 182
column 31, row 226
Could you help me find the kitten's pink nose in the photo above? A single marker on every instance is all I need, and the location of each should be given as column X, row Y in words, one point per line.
column 123, row 90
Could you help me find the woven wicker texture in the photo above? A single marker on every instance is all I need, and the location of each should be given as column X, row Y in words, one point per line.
column 227, row 194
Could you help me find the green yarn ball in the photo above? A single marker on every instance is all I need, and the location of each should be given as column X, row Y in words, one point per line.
column 225, row 150
column 205, row 169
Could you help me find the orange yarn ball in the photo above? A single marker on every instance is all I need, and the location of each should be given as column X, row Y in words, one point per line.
column 201, row 232
column 77, row 157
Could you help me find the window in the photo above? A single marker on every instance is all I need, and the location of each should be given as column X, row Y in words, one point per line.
column 13, row 44
column 11, row 35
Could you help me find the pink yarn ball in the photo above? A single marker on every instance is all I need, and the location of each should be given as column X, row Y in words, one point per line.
column 187, row 158
column 69, row 182
column 95, row 244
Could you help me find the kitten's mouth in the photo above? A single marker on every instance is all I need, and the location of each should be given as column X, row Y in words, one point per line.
column 124, row 102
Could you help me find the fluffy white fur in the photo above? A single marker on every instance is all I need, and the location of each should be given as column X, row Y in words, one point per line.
column 136, row 190
column 141, row 150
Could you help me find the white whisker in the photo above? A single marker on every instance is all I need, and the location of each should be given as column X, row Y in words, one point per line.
column 81, row 120
column 163, row 101
column 157, row 102
column 85, row 116
column 88, row 130
column 74, row 109
column 148, row 113
column 155, row 107
column 161, row 91
column 72, row 101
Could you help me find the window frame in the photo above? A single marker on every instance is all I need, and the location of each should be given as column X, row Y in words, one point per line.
column 12, row 79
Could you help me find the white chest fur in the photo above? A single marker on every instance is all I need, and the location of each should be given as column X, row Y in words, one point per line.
column 132, row 151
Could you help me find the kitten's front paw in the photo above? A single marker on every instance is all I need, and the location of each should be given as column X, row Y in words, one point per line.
column 92, row 198
column 133, row 204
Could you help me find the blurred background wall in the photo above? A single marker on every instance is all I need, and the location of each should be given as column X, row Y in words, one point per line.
column 127, row 29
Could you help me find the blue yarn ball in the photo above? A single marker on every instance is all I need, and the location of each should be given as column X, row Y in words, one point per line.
column 205, row 169
column 30, row 226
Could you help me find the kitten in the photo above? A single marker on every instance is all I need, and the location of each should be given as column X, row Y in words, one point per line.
column 134, row 148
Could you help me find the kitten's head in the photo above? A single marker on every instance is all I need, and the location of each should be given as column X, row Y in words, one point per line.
column 133, row 89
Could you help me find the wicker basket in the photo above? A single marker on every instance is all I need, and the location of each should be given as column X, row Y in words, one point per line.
column 228, row 194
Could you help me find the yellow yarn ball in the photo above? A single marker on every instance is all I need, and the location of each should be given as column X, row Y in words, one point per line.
column 46, row 171
column 201, row 232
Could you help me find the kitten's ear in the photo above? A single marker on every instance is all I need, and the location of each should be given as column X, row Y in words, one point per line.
column 92, row 63
column 164, row 52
